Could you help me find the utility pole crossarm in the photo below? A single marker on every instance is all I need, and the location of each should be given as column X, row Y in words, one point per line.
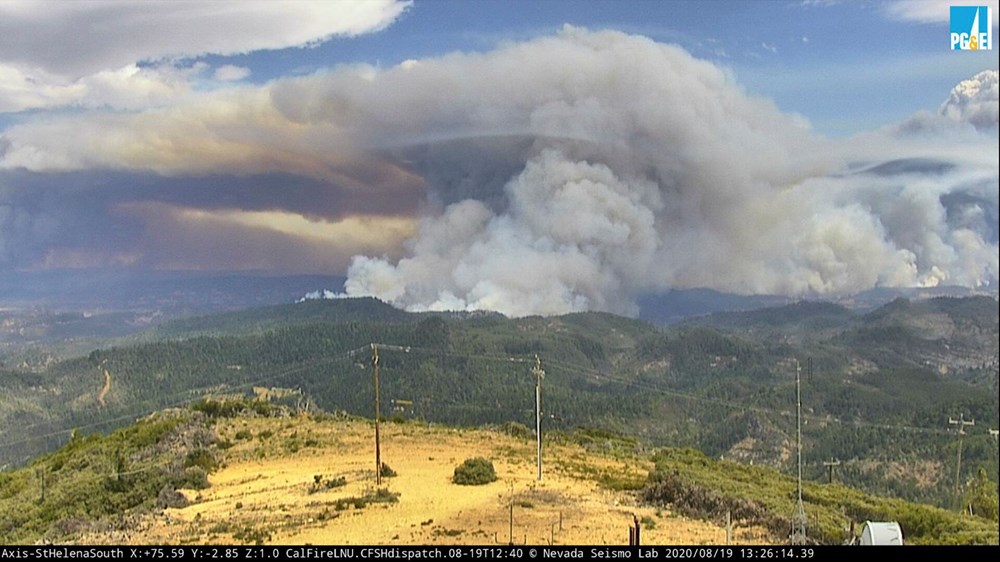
column 830, row 464
column 962, row 423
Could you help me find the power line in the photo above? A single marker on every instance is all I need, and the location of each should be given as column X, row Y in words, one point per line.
column 188, row 393
column 572, row 368
column 428, row 350
column 560, row 365
column 734, row 405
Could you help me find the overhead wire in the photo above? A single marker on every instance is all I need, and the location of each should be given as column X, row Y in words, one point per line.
column 189, row 393
column 559, row 365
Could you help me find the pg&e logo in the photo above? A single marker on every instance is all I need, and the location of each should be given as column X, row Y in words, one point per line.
column 971, row 28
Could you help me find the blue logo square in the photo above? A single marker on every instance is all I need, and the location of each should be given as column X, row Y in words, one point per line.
column 971, row 28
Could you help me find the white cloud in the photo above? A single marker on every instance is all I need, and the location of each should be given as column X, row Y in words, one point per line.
column 231, row 73
column 129, row 87
column 81, row 38
column 74, row 52
column 930, row 11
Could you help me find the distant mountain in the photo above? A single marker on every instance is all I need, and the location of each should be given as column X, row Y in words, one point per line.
column 677, row 305
column 172, row 292
column 800, row 315
column 68, row 311
column 255, row 320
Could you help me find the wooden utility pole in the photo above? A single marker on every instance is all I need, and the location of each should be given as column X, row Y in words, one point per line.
column 510, row 530
column 799, row 519
column 634, row 537
column 961, row 423
column 994, row 433
column 378, row 446
column 829, row 468
column 539, row 374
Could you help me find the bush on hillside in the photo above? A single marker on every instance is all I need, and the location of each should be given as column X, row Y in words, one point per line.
column 474, row 472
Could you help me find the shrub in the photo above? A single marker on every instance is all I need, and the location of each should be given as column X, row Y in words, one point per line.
column 169, row 497
column 195, row 478
column 252, row 535
column 474, row 472
column 201, row 458
column 517, row 430
column 318, row 483
column 382, row 495
column 387, row 471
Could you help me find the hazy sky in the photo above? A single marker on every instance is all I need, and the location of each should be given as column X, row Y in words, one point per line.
column 524, row 156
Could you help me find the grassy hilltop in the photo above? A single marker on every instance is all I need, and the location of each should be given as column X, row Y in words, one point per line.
column 246, row 472
column 877, row 389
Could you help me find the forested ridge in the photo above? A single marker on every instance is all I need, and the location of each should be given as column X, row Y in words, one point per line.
column 877, row 388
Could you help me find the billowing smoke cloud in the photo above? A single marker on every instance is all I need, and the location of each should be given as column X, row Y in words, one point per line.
column 325, row 294
column 577, row 172
column 674, row 177
column 976, row 101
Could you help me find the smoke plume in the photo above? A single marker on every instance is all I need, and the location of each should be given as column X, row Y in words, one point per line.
column 565, row 173
column 649, row 169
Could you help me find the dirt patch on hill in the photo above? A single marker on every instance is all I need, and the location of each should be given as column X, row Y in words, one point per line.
column 273, row 489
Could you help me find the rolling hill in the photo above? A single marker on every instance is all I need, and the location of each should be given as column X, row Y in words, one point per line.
column 878, row 388
column 249, row 472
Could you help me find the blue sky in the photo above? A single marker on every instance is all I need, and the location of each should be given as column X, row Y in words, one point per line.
column 847, row 66
column 527, row 157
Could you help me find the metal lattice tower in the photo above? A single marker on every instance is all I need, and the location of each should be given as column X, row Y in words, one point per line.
column 798, row 535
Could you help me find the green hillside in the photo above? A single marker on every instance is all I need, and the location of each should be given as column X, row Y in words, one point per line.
column 698, row 486
column 97, row 478
column 103, row 485
column 877, row 389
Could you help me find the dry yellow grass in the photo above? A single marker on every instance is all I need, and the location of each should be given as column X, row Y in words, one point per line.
column 267, row 487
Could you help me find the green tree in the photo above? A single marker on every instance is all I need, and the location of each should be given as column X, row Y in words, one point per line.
column 982, row 496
